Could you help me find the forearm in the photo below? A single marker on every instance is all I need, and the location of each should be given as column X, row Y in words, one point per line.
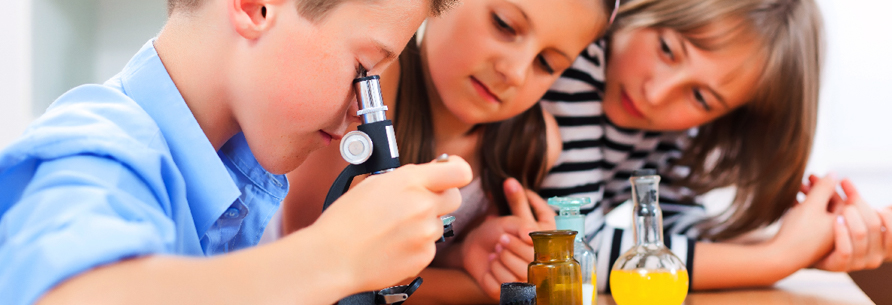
column 279, row 273
column 449, row 286
column 726, row 265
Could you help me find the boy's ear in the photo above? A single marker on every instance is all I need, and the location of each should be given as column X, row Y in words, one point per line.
column 251, row 17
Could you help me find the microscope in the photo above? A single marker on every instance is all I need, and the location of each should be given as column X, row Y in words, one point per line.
column 371, row 149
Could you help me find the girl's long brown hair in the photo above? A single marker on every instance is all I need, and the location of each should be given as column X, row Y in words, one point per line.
column 762, row 147
column 512, row 148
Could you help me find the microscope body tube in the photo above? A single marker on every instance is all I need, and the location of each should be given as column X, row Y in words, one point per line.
column 370, row 149
column 368, row 95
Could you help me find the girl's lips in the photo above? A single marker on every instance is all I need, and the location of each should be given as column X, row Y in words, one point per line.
column 484, row 92
column 630, row 107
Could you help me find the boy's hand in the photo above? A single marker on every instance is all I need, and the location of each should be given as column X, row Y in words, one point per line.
column 500, row 249
column 806, row 233
column 383, row 230
column 861, row 240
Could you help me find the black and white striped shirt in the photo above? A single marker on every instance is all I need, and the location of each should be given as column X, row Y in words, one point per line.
column 598, row 158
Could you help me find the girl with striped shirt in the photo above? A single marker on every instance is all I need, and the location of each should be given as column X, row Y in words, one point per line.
column 711, row 93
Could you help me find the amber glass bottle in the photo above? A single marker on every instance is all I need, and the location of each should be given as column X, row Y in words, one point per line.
column 557, row 276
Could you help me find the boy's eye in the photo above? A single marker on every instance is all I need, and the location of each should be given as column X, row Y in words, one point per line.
column 360, row 70
column 664, row 47
column 502, row 25
column 698, row 95
column 545, row 66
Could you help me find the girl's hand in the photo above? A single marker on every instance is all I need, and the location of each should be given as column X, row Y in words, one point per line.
column 861, row 240
column 499, row 250
column 806, row 232
column 513, row 254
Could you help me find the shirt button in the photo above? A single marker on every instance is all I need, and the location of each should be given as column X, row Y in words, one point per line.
column 231, row 213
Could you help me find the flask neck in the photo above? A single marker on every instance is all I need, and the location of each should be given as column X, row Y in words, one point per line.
column 571, row 222
column 647, row 216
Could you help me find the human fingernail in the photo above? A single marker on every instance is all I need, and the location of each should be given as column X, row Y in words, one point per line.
column 492, row 256
column 513, row 186
column 442, row 158
column 840, row 219
column 498, row 248
column 504, row 239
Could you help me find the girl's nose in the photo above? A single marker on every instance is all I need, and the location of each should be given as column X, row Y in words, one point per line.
column 514, row 68
column 661, row 87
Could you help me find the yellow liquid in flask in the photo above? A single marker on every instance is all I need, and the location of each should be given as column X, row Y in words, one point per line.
column 648, row 287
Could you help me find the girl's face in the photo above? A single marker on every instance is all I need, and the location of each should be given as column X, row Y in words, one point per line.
column 490, row 60
column 657, row 79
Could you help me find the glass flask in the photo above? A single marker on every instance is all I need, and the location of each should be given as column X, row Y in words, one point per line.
column 555, row 273
column 648, row 273
column 570, row 218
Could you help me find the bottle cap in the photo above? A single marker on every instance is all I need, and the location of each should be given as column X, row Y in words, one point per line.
column 568, row 206
column 517, row 293
column 644, row 172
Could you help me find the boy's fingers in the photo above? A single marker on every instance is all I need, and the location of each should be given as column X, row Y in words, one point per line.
column 450, row 200
column 439, row 176
column 517, row 200
column 544, row 213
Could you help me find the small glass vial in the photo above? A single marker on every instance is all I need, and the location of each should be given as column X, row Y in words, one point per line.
column 557, row 276
column 648, row 273
column 570, row 218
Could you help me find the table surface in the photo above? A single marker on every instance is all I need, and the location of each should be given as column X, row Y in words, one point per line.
column 813, row 287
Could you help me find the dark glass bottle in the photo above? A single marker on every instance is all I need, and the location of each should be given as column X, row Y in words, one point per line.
column 557, row 276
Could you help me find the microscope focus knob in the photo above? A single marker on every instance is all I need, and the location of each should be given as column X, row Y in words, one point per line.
column 356, row 147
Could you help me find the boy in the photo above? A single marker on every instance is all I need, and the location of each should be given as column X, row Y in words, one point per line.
column 182, row 154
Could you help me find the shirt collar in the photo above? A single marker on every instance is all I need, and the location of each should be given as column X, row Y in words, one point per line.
column 209, row 187
column 239, row 153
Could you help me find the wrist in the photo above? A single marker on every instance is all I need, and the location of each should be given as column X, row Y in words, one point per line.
column 785, row 259
column 312, row 261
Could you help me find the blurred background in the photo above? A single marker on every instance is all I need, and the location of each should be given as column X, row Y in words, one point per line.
column 50, row 46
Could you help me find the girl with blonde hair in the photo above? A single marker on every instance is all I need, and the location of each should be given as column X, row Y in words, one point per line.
column 711, row 93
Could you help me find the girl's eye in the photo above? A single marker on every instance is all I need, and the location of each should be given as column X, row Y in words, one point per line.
column 545, row 65
column 698, row 95
column 502, row 25
column 664, row 47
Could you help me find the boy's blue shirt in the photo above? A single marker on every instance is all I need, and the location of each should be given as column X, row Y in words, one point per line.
column 122, row 170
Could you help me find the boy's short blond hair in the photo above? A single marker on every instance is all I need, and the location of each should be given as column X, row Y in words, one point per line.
column 313, row 10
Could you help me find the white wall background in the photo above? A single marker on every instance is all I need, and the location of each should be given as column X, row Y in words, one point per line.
column 50, row 46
